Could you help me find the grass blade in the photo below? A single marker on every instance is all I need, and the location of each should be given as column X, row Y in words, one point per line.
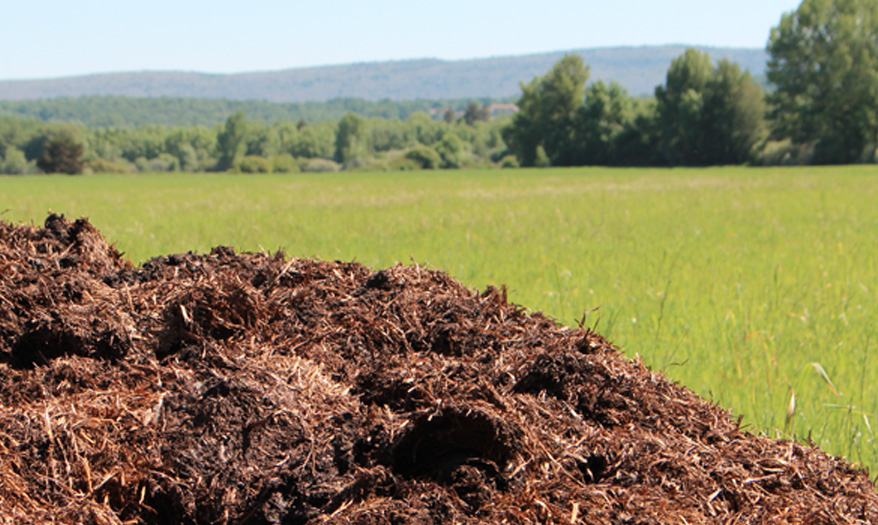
column 823, row 375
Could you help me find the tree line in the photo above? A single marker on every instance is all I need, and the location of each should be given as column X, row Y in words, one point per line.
column 702, row 115
column 240, row 144
column 126, row 112
column 821, row 106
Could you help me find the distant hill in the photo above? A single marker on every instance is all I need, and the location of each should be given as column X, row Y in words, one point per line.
column 639, row 69
column 101, row 111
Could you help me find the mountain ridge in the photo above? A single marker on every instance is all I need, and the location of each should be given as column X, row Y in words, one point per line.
column 638, row 68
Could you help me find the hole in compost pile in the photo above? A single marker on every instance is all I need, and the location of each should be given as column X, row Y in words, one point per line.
column 537, row 381
column 440, row 443
column 446, row 342
column 550, row 374
column 464, row 450
column 397, row 393
column 594, row 468
column 42, row 344
column 258, row 279
column 164, row 499
column 379, row 279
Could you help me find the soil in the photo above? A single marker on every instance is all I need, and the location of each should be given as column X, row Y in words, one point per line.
column 228, row 388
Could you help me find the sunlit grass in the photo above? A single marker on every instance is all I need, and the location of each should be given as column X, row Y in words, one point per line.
column 750, row 286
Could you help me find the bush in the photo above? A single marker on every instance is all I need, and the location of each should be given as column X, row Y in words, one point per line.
column 285, row 163
column 450, row 149
column 426, row 157
column 107, row 166
column 402, row 164
column 320, row 166
column 164, row 162
column 61, row 155
column 784, row 153
column 255, row 164
column 542, row 160
column 15, row 163
column 509, row 161
column 188, row 158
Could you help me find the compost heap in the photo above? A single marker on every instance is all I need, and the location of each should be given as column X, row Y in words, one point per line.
column 231, row 389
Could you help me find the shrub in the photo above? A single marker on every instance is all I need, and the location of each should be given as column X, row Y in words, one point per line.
column 15, row 163
column 255, row 164
column 402, row 164
column 542, row 160
column 509, row 161
column 107, row 166
column 61, row 155
column 450, row 149
column 426, row 157
column 188, row 158
column 320, row 166
column 285, row 163
column 784, row 152
column 164, row 162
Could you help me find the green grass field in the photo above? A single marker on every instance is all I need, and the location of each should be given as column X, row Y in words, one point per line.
column 747, row 285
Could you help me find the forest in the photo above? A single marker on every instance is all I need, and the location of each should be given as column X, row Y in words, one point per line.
column 820, row 107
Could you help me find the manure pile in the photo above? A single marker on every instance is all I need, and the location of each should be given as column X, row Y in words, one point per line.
column 233, row 389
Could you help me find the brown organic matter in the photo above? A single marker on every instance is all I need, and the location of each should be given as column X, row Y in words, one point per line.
column 250, row 389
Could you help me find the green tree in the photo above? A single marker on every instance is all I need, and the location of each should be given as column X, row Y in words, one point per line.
column 386, row 135
column 427, row 131
column 262, row 141
column 193, row 147
column 476, row 113
column 314, row 141
column 708, row 115
column 450, row 149
column 61, row 155
column 14, row 162
column 638, row 144
column 351, row 139
column 680, row 104
column 600, row 122
column 734, row 115
column 547, row 110
column 230, row 141
column 824, row 67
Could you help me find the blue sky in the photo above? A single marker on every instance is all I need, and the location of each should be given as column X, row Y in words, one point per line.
column 52, row 38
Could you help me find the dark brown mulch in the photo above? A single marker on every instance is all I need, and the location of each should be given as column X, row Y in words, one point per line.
column 232, row 389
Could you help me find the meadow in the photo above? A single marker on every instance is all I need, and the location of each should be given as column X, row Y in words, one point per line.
column 757, row 288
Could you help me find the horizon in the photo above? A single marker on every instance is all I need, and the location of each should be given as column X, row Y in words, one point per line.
column 222, row 37
column 367, row 62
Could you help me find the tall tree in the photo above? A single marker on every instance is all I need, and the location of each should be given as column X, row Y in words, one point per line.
column 476, row 112
column 706, row 114
column 734, row 115
column 351, row 139
column 450, row 150
column 262, row 141
column 824, row 66
column 600, row 121
column 230, row 141
column 547, row 110
column 638, row 143
column 680, row 105
column 62, row 154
